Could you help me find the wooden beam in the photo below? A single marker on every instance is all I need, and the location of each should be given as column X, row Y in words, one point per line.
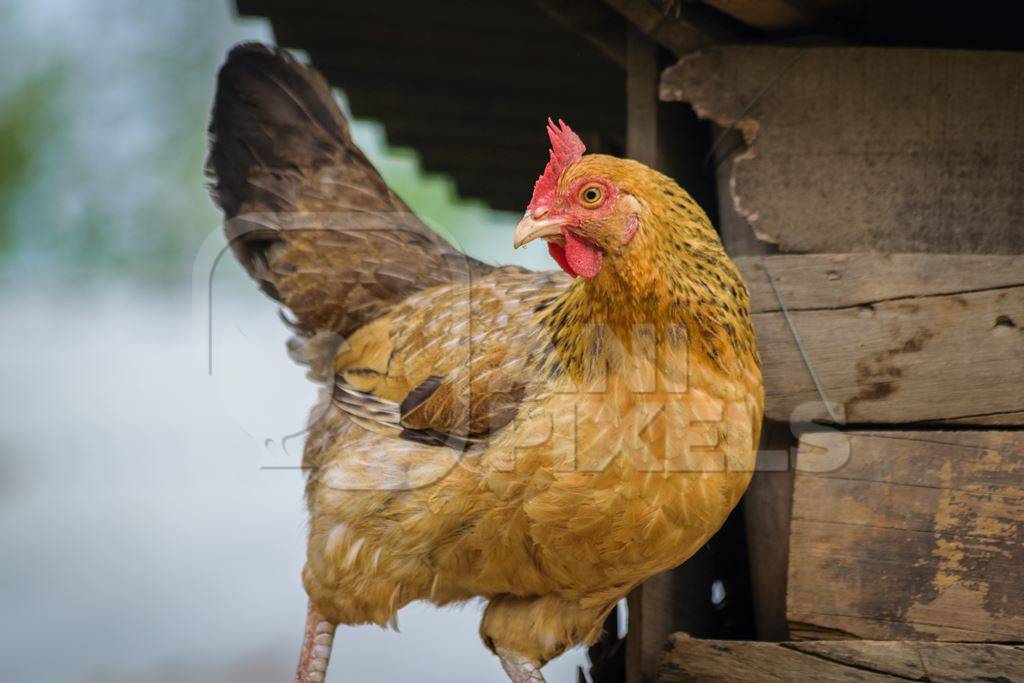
column 594, row 20
column 892, row 338
column 698, row 661
column 908, row 535
column 679, row 30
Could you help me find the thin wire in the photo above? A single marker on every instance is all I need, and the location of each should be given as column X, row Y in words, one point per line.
column 750, row 105
column 800, row 345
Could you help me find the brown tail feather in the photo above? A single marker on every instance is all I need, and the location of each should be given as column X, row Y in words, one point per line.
column 306, row 213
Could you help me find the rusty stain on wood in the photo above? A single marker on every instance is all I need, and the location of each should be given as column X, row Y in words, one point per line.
column 887, row 334
column 916, row 535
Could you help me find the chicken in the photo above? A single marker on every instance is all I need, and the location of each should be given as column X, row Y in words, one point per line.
column 545, row 441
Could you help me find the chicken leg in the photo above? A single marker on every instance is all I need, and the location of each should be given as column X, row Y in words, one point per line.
column 316, row 648
column 519, row 668
column 319, row 636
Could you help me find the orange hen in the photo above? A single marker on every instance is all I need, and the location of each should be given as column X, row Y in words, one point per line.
column 545, row 441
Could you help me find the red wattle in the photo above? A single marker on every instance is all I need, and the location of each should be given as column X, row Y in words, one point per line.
column 558, row 253
column 583, row 259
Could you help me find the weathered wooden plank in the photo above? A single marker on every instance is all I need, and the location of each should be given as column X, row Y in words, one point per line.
column 908, row 535
column 893, row 338
column 595, row 20
column 936, row 662
column 816, row 281
column 859, row 149
column 690, row 660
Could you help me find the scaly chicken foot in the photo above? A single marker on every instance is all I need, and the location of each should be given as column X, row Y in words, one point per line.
column 519, row 668
column 316, row 648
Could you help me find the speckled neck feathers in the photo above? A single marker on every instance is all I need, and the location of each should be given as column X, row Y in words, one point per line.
column 674, row 273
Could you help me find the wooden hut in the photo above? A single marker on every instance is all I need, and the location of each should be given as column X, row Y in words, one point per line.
column 865, row 163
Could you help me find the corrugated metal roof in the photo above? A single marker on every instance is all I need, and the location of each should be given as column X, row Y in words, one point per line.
column 468, row 85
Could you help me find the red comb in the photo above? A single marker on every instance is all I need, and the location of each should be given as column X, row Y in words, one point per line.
column 566, row 147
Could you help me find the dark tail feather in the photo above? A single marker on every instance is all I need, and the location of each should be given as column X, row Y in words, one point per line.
column 306, row 213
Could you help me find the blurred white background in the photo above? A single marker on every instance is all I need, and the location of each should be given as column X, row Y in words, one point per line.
column 145, row 533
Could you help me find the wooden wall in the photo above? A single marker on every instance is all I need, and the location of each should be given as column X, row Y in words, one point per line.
column 871, row 199
column 908, row 535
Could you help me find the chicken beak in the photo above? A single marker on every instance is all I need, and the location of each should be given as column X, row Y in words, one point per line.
column 531, row 228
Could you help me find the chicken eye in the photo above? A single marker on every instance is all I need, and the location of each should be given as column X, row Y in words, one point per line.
column 592, row 194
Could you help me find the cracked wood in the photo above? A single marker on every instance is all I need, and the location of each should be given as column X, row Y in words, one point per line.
column 894, row 338
column 916, row 535
column 861, row 149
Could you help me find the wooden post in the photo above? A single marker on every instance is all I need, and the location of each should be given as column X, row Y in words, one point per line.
column 678, row 600
column 766, row 509
column 650, row 605
column 642, row 74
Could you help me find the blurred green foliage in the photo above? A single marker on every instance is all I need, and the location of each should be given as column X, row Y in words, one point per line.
column 103, row 108
column 26, row 116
